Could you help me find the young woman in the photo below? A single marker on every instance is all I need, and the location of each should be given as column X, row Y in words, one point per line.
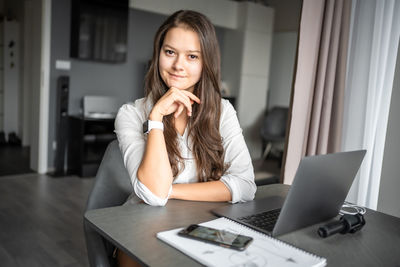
column 182, row 141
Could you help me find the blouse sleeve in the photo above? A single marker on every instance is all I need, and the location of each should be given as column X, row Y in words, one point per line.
column 132, row 142
column 239, row 178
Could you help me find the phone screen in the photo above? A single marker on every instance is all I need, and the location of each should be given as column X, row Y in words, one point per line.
column 220, row 237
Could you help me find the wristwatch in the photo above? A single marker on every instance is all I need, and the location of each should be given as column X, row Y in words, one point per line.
column 149, row 125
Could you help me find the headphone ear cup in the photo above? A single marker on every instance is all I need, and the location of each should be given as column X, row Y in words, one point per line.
column 352, row 223
column 356, row 222
column 346, row 224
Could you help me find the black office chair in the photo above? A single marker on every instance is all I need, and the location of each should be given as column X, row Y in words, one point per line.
column 273, row 129
column 111, row 188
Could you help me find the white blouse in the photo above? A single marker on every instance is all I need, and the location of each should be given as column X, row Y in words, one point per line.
column 239, row 178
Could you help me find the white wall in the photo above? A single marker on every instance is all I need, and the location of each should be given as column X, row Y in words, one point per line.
column 33, row 43
column 284, row 47
column 11, row 77
column 230, row 65
column 222, row 13
column 27, row 56
column 389, row 193
column 256, row 24
column 14, row 9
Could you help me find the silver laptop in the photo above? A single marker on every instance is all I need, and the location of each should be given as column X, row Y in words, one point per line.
column 318, row 191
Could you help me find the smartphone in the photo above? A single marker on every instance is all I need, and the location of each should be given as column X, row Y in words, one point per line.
column 218, row 237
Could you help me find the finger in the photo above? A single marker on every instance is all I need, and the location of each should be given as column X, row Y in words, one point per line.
column 167, row 104
column 185, row 93
column 183, row 99
column 174, row 97
column 179, row 111
column 192, row 96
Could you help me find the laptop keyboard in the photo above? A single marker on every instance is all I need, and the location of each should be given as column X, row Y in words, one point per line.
column 265, row 220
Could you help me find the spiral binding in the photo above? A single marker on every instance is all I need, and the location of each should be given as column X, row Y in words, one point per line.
column 275, row 239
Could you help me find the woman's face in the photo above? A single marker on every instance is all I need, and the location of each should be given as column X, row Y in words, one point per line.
column 180, row 62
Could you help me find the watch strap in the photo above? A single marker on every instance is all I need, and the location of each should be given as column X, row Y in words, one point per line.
column 149, row 125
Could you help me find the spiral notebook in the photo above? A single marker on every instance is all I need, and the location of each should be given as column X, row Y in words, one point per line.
column 263, row 251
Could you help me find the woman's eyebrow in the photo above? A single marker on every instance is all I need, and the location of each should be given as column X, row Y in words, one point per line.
column 173, row 48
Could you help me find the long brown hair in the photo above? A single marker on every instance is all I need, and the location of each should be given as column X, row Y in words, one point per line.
column 204, row 124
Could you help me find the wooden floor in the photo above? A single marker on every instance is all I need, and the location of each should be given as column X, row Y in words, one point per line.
column 41, row 220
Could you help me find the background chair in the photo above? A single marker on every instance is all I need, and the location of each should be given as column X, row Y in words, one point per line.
column 111, row 188
column 273, row 130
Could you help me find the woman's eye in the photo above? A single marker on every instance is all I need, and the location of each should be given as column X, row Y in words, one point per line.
column 193, row 57
column 169, row 52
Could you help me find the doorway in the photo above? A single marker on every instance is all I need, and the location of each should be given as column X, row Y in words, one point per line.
column 27, row 149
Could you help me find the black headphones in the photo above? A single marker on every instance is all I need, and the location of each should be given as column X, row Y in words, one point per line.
column 348, row 223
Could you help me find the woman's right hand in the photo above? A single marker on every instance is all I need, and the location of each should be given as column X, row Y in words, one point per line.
column 173, row 101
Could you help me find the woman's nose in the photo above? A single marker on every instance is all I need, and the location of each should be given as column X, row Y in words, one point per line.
column 178, row 63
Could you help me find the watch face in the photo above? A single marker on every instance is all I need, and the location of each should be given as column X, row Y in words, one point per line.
column 146, row 127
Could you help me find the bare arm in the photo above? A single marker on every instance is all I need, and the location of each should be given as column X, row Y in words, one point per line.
column 155, row 170
column 207, row 191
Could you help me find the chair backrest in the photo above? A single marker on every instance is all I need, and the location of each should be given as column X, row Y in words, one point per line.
column 112, row 187
column 274, row 123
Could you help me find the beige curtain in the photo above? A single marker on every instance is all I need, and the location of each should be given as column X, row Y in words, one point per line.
column 315, row 121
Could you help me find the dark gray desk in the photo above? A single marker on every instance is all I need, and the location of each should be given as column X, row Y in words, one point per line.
column 133, row 229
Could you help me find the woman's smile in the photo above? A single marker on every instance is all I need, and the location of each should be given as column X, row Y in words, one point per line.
column 180, row 59
column 176, row 76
